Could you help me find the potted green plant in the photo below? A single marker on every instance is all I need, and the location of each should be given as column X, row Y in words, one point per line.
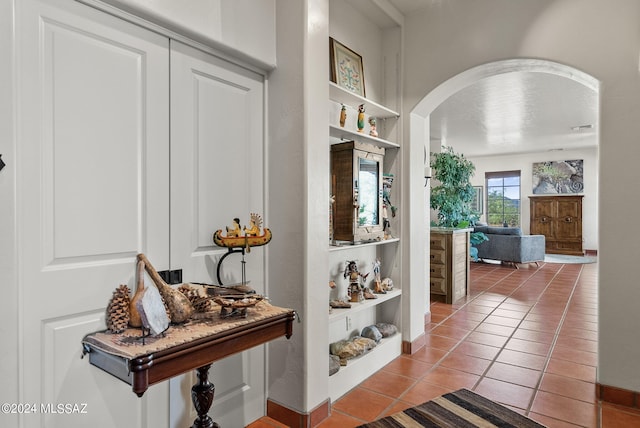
column 453, row 194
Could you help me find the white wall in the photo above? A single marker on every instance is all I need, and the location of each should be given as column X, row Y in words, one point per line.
column 243, row 28
column 598, row 38
column 524, row 163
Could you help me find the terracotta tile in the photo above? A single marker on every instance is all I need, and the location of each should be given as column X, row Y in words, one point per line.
column 340, row 420
column 550, row 422
column 424, row 391
column 534, row 336
column 575, row 355
column 568, row 387
column 450, row 378
column 493, row 329
column 528, row 346
column 503, row 321
column 363, row 404
column 572, row 370
column 522, row 359
column 448, row 331
column 514, row 374
column 266, row 422
column 547, row 326
column 565, row 409
column 592, row 326
column 487, row 339
column 428, row 354
column 579, row 332
column 398, row 406
column 440, row 342
column 390, row 384
column 506, row 313
column 577, row 343
column 505, row 393
column 478, row 350
column 479, row 309
column 409, row 367
column 466, row 363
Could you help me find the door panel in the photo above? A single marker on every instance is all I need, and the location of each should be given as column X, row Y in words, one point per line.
column 217, row 157
column 92, row 184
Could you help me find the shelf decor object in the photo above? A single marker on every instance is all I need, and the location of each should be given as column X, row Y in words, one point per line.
column 356, row 171
column 346, row 67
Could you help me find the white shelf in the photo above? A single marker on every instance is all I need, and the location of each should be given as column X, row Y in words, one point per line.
column 356, row 307
column 348, row 246
column 340, row 135
column 360, row 368
column 342, row 96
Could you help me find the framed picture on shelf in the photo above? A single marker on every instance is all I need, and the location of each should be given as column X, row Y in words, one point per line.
column 346, row 68
column 476, row 204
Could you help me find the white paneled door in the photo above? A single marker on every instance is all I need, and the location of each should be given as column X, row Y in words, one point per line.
column 93, row 156
column 125, row 145
column 217, row 174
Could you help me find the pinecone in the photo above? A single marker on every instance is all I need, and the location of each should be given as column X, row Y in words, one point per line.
column 118, row 310
column 200, row 303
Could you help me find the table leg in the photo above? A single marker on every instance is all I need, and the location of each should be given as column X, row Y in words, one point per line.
column 202, row 397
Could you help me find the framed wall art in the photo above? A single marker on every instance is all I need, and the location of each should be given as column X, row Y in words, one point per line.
column 346, row 68
column 557, row 177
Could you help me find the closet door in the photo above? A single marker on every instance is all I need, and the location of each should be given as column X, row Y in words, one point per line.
column 92, row 180
column 217, row 146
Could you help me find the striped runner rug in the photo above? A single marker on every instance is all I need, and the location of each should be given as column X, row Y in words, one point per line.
column 458, row 409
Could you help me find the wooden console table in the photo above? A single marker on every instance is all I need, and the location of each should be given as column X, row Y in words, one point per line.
column 192, row 346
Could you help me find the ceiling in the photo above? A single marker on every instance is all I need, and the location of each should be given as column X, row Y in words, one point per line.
column 517, row 112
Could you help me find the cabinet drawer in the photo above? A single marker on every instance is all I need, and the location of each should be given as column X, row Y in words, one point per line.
column 438, row 242
column 438, row 286
column 438, row 256
column 438, row 271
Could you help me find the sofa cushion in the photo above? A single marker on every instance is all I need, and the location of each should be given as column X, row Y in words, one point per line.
column 490, row 230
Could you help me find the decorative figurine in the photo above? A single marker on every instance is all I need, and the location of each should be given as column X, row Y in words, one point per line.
column 387, row 181
column 372, row 122
column 360, row 117
column 377, row 280
column 343, row 115
column 356, row 289
column 253, row 237
column 234, row 230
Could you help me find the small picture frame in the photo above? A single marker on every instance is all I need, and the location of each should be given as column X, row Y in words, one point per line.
column 476, row 204
column 346, row 68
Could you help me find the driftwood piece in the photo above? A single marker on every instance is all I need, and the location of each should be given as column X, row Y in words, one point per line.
column 180, row 308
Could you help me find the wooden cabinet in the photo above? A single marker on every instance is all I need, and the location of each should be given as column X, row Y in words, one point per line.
column 449, row 263
column 559, row 219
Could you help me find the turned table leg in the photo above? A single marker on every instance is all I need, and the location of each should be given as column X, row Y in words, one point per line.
column 202, row 397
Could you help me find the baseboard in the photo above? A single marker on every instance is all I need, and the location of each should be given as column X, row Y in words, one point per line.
column 295, row 419
column 619, row 396
column 413, row 347
column 591, row 253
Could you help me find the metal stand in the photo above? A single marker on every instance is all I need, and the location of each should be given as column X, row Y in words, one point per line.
column 228, row 253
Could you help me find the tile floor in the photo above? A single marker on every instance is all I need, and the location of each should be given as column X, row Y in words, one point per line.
column 524, row 337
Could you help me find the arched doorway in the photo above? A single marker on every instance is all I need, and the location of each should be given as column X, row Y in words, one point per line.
column 419, row 118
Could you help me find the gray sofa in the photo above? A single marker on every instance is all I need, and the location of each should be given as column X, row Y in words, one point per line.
column 508, row 244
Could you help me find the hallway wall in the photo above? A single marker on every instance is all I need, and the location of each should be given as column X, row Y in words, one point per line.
column 447, row 38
